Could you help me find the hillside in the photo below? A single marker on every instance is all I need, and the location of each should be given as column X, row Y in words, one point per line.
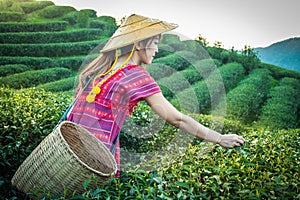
column 285, row 54
column 47, row 44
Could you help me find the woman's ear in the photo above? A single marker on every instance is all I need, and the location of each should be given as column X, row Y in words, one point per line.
column 138, row 46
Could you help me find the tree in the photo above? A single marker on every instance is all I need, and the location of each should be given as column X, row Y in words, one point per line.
column 202, row 40
column 249, row 58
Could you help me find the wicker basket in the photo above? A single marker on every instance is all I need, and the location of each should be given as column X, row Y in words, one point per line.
column 64, row 160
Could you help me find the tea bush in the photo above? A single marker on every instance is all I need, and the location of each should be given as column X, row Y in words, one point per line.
column 27, row 116
column 50, row 37
column 11, row 16
column 74, row 62
column 71, row 62
column 105, row 23
column 33, row 62
column 206, row 66
column 191, row 75
column 81, row 18
column 291, row 82
column 279, row 72
column 246, row 100
column 209, row 91
column 34, row 77
column 196, row 48
column 164, row 50
column 173, row 84
column 170, row 38
column 266, row 167
column 173, row 60
column 61, row 85
column 50, row 50
column 55, row 11
column 187, row 55
column 282, row 108
column 29, row 7
column 158, row 70
column 33, row 26
column 6, row 70
column 143, row 131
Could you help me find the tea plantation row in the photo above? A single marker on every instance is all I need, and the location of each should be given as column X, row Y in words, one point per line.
column 267, row 167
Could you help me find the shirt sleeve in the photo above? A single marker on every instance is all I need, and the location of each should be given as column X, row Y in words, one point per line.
column 139, row 85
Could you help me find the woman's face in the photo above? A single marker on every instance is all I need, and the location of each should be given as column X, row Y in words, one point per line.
column 147, row 53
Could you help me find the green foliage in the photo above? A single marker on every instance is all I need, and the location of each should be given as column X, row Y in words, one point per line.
column 173, row 84
column 245, row 101
column 6, row 70
column 27, row 116
column 34, row 77
column 191, row 75
column 158, row 70
column 279, row 73
column 89, row 13
column 61, row 85
column 205, row 94
column 73, row 62
column 291, row 82
column 196, row 48
column 55, row 11
column 170, row 38
column 50, row 37
column 107, row 28
column 33, row 62
column 29, row 7
column 32, row 26
column 80, row 17
column 50, row 50
column 144, row 132
column 10, row 6
column 11, row 16
column 188, row 55
column 249, row 59
column 282, row 108
column 266, row 167
column 175, row 61
column 5, row 4
column 106, row 23
column 164, row 50
column 231, row 75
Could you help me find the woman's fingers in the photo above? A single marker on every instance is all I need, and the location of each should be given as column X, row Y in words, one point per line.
column 232, row 140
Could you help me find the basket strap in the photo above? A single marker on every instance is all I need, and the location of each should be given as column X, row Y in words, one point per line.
column 115, row 144
column 64, row 117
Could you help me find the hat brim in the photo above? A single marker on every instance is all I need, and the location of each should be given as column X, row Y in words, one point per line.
column 134, row 32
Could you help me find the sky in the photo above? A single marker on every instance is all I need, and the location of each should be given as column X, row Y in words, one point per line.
column 234, row 23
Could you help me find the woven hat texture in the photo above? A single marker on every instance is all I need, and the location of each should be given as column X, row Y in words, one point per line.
column 136, row 28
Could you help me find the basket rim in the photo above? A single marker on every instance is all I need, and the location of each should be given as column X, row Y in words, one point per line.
column 78, row 159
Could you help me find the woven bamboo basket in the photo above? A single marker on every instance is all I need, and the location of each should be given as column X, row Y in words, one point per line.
column 65, row 159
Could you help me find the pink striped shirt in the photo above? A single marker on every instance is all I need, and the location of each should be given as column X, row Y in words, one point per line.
column 119, row 95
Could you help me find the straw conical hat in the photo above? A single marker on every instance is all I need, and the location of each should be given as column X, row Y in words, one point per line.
column 136, row 28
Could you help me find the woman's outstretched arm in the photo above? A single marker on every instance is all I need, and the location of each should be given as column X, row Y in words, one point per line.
column 167, row 111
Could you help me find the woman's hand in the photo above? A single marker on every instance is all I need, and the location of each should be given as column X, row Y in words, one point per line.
column 231, row 140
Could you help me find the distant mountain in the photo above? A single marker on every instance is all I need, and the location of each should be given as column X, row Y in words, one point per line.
column 284, row 54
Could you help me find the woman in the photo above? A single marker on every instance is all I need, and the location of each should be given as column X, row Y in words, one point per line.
column 113, row 84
